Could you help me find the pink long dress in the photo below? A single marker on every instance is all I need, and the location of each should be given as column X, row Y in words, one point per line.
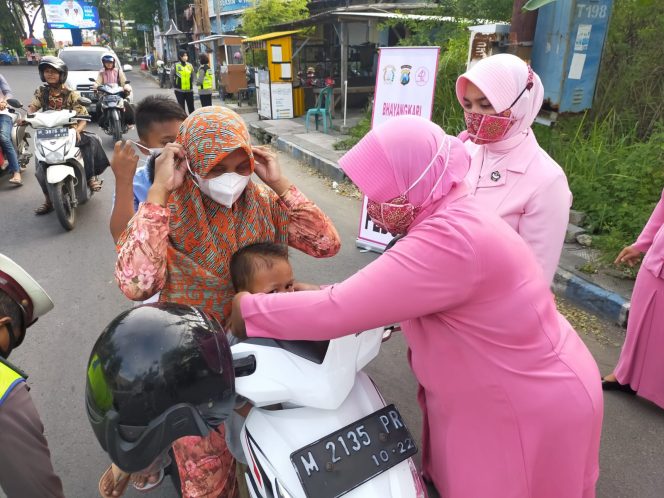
column 511, row 396
column 641, row 363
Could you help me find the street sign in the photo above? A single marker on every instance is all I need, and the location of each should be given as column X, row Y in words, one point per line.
column 143, row 27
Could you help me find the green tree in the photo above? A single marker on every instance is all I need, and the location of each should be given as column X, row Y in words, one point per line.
column 257, row 20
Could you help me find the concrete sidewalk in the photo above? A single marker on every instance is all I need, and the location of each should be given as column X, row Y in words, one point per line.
column 605, row 294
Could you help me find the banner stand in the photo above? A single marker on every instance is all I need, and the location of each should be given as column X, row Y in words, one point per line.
column 405, row 85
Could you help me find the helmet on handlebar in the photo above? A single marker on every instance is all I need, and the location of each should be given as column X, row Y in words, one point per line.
column 157, row 373
column 108, row 57
column 57, row 64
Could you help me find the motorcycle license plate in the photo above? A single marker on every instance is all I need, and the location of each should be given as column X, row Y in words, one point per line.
column 52, row 133
column 349, row 457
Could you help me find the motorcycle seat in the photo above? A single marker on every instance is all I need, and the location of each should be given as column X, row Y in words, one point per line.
column 313, row 351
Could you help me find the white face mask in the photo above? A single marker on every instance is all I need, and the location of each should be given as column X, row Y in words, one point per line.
column 224, row 189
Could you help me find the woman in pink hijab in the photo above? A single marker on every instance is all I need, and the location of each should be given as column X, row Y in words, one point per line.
column 640, row 368
column 511, row 397
column 510, row 173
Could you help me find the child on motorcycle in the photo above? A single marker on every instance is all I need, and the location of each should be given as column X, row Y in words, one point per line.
column 55, row 95
column 111, row 75
column 256, row 268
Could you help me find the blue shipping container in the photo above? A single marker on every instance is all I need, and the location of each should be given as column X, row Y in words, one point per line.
column 567, row 51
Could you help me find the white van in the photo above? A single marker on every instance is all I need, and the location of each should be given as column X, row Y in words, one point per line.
column 84, row 63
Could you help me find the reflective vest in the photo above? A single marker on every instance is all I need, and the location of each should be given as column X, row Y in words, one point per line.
column 9, row 378
column 183, row 76
column 208, row 79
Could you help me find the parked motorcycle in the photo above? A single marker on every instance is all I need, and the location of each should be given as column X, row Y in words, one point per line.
column 112, row 116
column 319, row 427
column 19, row 136
column 55, row 148
column 164, row 73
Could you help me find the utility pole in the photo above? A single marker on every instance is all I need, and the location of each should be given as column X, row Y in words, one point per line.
column 217, row 11
column 164, row 14
column 522, row 30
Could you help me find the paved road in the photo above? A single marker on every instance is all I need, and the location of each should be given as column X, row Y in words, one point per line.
column 76, row 269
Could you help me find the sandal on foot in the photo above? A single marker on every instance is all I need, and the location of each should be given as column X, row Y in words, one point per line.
column 18, row 182
column 149, row 485
column 95, row 184
column 45, row 208
column 119, row 483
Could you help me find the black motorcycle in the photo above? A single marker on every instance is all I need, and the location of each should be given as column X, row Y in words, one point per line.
column 112, row 110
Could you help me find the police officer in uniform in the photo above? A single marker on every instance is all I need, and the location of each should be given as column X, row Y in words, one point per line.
column 205, row 81
column 25, row 461
column 183, row 79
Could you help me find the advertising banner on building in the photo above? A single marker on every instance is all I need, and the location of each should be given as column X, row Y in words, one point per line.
column 71, row 14
column 405, row 85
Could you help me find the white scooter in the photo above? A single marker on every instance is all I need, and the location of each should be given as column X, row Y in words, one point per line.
column 55, row 149
column 19, row 136
column 319, row 427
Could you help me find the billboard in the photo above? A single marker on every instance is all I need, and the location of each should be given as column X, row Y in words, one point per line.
column 228, row 5
column 71, row 14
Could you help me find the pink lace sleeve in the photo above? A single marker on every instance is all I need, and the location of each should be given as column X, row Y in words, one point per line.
column 309, row 230
column 140, row 270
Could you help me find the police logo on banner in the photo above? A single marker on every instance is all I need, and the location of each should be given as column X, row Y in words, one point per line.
column 389, row 74
column 405, row 74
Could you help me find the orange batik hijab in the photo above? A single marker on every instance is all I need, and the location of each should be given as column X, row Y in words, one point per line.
column 204, row 234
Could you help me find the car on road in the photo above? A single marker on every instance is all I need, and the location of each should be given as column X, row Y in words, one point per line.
column 84, row 63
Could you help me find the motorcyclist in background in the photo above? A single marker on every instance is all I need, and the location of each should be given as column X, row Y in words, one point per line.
column 111, row 75
column 55, row 95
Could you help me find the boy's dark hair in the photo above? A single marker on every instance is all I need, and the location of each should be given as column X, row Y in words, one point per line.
column 181, row 53
column 204, row 59
column 156, row 109
column 246, row 260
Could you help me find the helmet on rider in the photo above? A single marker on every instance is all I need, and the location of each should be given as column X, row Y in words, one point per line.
column 55, row 63
column 108, row 57
column 158, row 372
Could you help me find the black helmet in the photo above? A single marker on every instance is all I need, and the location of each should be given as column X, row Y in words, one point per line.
column 158, row 372
column 108, row 57
column 57, row 64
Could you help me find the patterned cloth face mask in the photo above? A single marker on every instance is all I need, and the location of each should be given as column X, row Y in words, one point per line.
column 396, row 215
column 488, row 128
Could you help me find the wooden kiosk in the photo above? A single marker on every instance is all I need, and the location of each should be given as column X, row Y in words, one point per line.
column 277, row 99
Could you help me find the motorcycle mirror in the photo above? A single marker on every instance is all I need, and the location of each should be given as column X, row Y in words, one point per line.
column 92, row 79
column 85, row 101
column 127, row 67
column 15, row 103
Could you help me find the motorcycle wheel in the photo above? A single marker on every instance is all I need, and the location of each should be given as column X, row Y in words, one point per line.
column 117, row 127
column 63, row 196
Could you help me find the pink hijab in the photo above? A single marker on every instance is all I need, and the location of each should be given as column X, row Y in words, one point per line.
column 392, row 156
column 501, row 78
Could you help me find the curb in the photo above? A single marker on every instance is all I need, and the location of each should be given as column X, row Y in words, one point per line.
column 593, row 298
column 597, row 300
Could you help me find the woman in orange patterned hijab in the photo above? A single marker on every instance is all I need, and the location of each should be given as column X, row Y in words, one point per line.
column 180, row 241
column 201, row 208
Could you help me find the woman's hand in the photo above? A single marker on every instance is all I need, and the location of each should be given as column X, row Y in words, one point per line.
column 629, row 255
column 169, row 171
column 235, row 322
column 268, row 170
